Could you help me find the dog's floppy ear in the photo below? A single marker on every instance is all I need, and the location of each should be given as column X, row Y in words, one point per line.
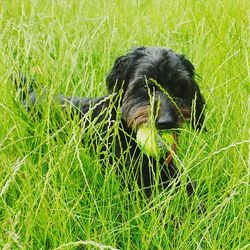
column 189, row 66
column 118, row 77
column 198, row 100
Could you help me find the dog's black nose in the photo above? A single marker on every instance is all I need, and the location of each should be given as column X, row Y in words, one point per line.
column 166, row 122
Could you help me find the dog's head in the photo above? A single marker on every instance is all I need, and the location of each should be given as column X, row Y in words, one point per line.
column 156, row 82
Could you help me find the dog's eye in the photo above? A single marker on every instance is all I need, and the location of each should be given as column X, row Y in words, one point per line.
column 180, row 89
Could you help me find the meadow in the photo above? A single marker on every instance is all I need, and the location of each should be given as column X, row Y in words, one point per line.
column 54, row 193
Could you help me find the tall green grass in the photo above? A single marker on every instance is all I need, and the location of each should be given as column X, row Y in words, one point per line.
column 54, row 193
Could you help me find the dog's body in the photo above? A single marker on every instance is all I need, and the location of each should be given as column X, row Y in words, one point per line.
column 147, row 82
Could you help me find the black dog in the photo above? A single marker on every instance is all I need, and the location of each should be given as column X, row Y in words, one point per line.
column 146, row 82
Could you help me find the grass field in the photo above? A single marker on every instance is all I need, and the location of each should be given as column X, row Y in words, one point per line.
column 53, row 194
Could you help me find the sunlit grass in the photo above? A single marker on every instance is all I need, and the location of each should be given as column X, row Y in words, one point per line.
column 56, row 193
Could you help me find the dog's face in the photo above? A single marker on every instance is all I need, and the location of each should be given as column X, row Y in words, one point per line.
column 158, row 83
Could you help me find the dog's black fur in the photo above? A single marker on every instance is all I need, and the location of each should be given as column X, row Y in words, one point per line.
column 147, row 82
